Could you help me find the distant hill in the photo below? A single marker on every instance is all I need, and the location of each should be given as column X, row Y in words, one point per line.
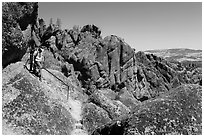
column 180, row 54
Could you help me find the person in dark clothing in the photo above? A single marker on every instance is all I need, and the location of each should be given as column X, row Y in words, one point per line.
column 32, row 50
column 31, row 44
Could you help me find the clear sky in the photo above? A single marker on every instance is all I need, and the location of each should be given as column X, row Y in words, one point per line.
column 149, row 25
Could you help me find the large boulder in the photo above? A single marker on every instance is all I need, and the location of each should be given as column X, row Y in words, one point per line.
column 119, row 54
column 127, row 98
column 178, row 112
column 115, row 108
column 94, row 117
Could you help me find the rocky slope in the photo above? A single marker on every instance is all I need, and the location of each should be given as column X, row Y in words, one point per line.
column 179, row 112
column 111, row 89
column 33, row 107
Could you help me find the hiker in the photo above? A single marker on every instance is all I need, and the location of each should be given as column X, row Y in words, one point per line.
column 32, row 50
column 118, row 123
column 38, row 58
column 32, row 44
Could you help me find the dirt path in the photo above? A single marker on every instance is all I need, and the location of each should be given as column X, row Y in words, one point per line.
column 72, row 105
column 75, row 109
column 9, row 130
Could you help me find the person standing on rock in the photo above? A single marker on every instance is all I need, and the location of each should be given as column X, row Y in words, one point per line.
column 38, row 56
column 31, row 60
column 34, row 42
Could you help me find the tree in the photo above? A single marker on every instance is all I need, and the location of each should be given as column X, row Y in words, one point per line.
column 42, row 27
column 94, row 30
column 75, row 35
column 58, row 23
column 51, row 21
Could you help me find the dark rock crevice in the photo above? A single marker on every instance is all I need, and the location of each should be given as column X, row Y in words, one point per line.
column 139, row 76
column 113, row 130
column 121, row 55
column 144, row 98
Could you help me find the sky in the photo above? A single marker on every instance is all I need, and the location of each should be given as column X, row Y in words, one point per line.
column 148, row 25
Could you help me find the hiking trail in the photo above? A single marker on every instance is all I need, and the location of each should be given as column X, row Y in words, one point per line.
column 75, row 110
column 73, row 105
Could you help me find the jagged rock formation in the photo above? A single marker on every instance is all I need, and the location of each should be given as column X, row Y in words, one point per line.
column 112, row 63
column 189, row 59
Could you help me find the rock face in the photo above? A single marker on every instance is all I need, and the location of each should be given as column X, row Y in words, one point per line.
column 176, row 112
column 127, row 98
column 110, row 63
column 94, row 117
column 115, row 108
column 14, row 44
column 190, row 59
column 103, row 107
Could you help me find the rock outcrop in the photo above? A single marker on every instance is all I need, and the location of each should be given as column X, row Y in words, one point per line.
column 178, row 112
column 94, row 117
column 16, row 16
column 188, row 60
column 110, row 63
